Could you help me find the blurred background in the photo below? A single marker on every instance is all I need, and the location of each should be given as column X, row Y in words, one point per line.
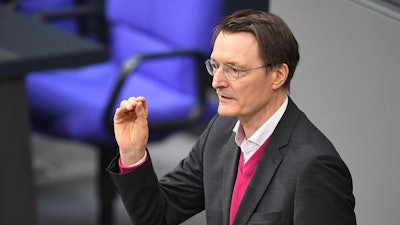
column 66, row 64
column 346, row 82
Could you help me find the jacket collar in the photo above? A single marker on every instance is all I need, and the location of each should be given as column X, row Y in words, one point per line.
column 270, row 161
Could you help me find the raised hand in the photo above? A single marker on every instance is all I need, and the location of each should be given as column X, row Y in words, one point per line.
column 131, row 129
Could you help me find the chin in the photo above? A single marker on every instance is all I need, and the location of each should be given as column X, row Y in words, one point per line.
column 226, row 112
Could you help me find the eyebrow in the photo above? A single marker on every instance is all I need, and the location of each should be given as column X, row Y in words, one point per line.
column 229, row 62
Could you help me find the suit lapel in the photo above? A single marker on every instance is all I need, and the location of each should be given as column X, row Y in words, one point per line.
column 267, row 166
column 229, row 176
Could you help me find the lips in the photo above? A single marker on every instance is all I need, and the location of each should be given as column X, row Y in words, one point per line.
column 224, row 96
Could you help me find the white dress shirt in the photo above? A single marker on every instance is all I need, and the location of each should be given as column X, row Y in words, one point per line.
column 250, row 146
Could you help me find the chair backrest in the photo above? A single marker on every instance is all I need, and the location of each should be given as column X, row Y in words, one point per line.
column 154, row 26
column 161, row 24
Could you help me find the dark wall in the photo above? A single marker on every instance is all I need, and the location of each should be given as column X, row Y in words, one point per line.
column 233, row 5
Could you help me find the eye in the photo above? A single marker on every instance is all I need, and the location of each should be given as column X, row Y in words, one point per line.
column 232, row 68
column 214, row 65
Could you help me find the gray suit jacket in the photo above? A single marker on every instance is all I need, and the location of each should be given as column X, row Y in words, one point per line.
column 300, row 179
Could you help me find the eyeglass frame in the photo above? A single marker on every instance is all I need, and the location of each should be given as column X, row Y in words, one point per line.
column 227, row 75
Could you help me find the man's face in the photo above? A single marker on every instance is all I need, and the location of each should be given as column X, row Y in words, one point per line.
column 249, row 96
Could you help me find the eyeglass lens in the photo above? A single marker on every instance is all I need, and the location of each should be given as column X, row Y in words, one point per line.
column 231, row 72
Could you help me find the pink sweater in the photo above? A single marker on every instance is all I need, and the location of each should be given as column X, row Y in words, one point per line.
column 244, row 174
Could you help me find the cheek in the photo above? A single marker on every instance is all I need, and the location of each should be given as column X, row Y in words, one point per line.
column 255, row 96
column 248, row 98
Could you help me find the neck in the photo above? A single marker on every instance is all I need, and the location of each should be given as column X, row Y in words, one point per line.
column 251, row 124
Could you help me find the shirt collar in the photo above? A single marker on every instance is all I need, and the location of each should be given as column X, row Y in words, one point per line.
column 264, row 131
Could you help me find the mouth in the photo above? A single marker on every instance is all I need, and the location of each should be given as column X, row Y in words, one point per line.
column 223, row 96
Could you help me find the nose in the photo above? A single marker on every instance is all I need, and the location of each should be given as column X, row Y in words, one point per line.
column 219, row 79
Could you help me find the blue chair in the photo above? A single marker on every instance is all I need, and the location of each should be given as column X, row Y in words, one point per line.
column 157, row 50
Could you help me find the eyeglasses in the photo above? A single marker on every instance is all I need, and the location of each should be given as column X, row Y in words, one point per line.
column 231, row 71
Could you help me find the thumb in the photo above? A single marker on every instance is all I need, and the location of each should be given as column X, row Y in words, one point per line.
column 141, row 110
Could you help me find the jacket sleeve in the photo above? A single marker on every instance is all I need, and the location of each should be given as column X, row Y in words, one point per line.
column 324, row 193
column 172, row 199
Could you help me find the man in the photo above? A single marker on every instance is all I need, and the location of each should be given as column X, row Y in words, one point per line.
column 260, row 160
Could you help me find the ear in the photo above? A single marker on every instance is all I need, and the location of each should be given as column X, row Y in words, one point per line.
column 280, row 72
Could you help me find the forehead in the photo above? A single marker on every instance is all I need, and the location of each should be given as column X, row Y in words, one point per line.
column 240, row 47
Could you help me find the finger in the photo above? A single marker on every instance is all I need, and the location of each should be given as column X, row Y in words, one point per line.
column 132, row 101
column 119, row 115
column 140, row 110
column 125, row 105
column 143, row 100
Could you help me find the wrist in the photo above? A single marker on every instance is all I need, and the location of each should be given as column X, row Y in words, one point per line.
column 131, row 158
